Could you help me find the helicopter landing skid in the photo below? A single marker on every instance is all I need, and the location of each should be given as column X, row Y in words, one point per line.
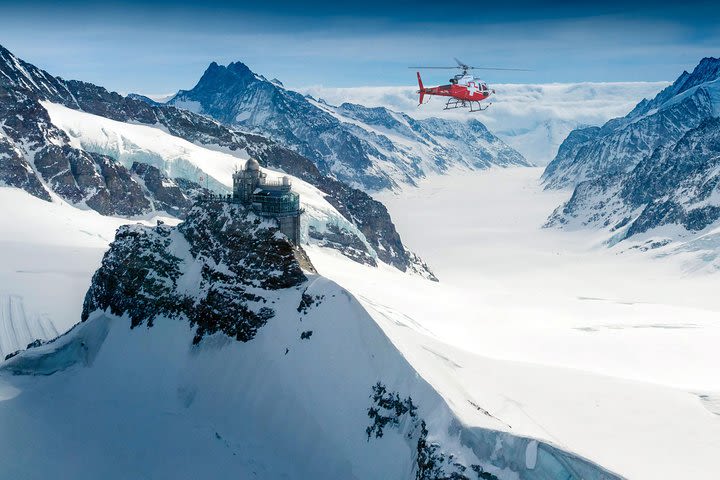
column 474, row 106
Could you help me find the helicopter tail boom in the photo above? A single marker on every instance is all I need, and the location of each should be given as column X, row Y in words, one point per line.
column 422, row 89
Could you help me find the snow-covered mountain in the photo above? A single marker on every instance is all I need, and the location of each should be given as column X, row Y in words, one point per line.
column 672, row 195
column 372, row 148
column 37, row 157
column 210, row 349
column 91, row 167
column 620, row 144
column 534, row 119
column 668, row 199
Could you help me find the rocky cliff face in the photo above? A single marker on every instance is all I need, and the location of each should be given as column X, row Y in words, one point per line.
column 19, row 76
column 678, row 184
column 38, row 158
column 174, row 197
column 651, row 176
column 212, row 270
column 371, row 148
column 619, row 145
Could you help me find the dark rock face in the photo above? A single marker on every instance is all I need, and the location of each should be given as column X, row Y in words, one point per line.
column 39, row 155
column 619, row 145
column 15, row 171
column 388, row 410
column 97, row 180
column 677, row 184
column 334, row 137
column 19, row 130
column 345, row 242
column 167, row 194
column 233, row 256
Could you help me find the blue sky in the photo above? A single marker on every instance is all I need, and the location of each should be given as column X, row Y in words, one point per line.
column 130, row 47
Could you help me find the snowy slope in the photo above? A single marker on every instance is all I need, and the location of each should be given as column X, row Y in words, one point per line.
column 611, row 355
column 650, row 179
column 179, row 158
column 48, row 253
column 534, row 119
column 292, row 401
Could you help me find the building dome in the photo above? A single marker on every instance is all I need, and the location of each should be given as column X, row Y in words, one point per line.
column 252, row 164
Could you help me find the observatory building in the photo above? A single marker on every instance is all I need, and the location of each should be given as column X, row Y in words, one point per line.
column 269, row 198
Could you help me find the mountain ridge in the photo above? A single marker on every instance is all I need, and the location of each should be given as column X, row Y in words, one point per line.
column 668, row 200
column 618, row 145
column 370, row 216
column 336, row 139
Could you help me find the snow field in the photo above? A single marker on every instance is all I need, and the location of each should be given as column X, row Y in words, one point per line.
column 603, row 352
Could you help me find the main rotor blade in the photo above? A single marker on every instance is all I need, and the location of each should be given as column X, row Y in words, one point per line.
column 506, row 69
column 460, row 63
column 476, row 68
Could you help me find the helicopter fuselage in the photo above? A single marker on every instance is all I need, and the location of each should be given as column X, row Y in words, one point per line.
column 464, row 88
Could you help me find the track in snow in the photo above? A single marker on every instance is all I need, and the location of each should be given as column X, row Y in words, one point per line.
column 18, row 329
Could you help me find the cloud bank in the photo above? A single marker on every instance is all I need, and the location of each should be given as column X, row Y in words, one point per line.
column 533, row 118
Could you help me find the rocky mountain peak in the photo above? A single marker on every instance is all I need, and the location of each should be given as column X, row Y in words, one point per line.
column 707, row 70
column 16, row 73
column 351, row 143
column 240, row 257
column 619, row 145
column 241, row 69
column 234, row 75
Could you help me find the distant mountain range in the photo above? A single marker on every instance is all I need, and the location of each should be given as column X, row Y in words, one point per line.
column 49, row 162
column 534, row 119
column 369, row 148
column 659, row 166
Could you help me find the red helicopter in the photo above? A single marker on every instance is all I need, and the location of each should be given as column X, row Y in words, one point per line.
column 464, row 90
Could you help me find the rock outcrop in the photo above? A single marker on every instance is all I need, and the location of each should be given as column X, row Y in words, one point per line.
column 212, row 270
